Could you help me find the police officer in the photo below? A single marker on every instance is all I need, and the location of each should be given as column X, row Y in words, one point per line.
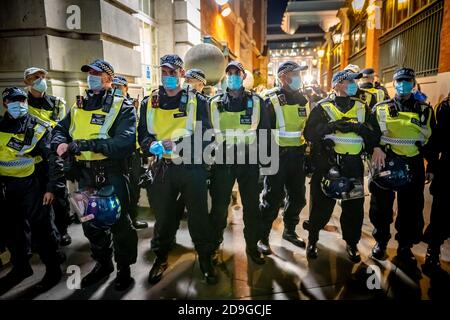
column 341, row 128
column 288, row 109
column 120, row 85
column 237, row 116
column 26, row 214
column 439, row 228
column 171, row 118
column 196, row 79
column 368, row 97
column 406, row 126
column 50, row 109
column 100, row 132
column 367, row 83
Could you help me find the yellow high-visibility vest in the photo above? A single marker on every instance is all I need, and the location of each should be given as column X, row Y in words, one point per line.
column 93, row 124
column 290, row 121
column 350, row 142
column 172, row 124
column 15, row 158
column 404, row 131
column 235, row 127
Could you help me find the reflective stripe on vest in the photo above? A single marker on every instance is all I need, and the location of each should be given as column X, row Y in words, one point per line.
column 346, row 143
column 18, row 163
column 403, row 131
column 227, row 125
column 93, row 124
column 289, row 121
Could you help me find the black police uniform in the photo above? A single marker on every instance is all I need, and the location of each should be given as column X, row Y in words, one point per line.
column 28, row 223
column 410, row 199
column 439, row 228
column 223, row 177
column 174, row 180
column 61, row 205
column 321, row 206
column 121, row 236
column 290, row 177
column 135, row 171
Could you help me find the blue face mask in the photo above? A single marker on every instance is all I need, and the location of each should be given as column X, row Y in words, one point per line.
column 404, row 88
column 296, row 83
column 234, row 82
column 170, row 82
column 118, row 92
column 40, row 85
column 94, row 82
column 352, row 88
column 17, row 109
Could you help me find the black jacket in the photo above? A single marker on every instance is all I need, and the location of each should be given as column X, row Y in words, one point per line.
column 51, row 166
column 123, row 131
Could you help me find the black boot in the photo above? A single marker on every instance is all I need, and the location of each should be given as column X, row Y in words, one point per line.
column 156, row 272
column 311, row 250
column 379, row 251
column 255, row 255
column 207, row 268
column 353, row 253
column 264, row 247
column 290, row 235
column 101, row 271
column 52, row 277
column 123, row 278
column 66, row 240
column 140, row 224
column 14, row 277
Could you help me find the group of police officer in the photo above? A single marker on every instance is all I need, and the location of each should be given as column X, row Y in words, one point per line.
column 105, row 138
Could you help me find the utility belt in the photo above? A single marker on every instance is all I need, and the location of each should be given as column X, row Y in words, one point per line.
column 100, row 169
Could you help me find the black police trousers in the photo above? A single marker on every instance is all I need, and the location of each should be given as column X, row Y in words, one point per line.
column 134, row 174
column 290, row 178
column 222, row 181
column 321, row 207
column 439, row 228
column 27, row 223
column 189, row 181
column 410, row 202
column 121, row 236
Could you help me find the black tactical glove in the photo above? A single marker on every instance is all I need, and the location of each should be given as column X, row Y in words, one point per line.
column 334, row 125
column 76, row 146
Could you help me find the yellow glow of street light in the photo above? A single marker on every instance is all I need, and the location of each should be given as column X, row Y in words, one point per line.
column 321, row 53
column 225, row 10
column 221, row 2
column 358, row 5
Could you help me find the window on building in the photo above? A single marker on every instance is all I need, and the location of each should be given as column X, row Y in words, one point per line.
column 147, row 7
column 149, row 56
column 396, row 11
column 358, row 37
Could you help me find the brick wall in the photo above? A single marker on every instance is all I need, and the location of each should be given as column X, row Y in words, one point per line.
column 444, row 60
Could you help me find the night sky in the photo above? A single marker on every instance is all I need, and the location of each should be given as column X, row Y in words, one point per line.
column 275, row 11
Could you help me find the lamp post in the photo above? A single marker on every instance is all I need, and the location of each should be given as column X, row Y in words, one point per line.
column 358, row 5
